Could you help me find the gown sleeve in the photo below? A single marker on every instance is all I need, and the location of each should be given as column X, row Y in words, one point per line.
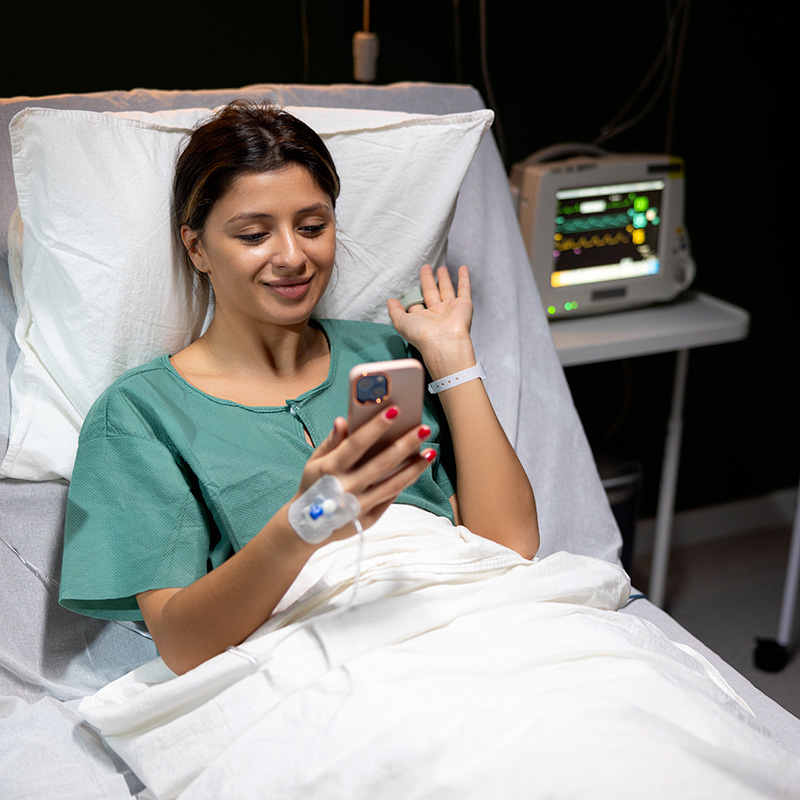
column 135, row 520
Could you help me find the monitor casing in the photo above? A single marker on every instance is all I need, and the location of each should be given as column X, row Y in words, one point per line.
column 535, row 186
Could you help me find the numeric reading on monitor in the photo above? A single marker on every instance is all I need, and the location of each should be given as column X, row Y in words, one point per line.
column 606, row 233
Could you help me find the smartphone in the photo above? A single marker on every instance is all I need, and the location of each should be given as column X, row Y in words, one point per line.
column 378, row 385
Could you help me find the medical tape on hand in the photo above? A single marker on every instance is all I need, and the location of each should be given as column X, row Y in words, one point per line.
column 323, row 508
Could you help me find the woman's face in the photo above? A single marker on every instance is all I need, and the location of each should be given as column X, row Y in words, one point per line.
column 268, row 246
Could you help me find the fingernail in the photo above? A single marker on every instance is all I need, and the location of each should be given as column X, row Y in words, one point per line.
column 424, row 432
column 429, row 455
column 391, row 413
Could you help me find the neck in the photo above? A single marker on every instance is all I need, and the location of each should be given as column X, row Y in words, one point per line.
column 269, row 350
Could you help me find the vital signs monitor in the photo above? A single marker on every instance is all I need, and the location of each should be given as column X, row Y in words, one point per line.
column 604, row 232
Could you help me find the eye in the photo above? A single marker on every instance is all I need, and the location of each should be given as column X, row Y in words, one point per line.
column 313, row 230
column 252, row 238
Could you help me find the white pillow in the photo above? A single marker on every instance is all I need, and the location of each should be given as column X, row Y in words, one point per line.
column 101, row 287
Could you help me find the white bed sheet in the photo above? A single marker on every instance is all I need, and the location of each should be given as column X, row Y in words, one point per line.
column 461, row 670
column 48, row 655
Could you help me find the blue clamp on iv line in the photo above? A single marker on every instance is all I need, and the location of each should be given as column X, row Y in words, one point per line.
column 323, row 508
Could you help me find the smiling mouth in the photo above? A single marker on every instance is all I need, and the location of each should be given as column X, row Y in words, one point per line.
column 290, row 289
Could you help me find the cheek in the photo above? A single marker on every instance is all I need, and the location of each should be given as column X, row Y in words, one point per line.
column 325, row 253
column 238, row 261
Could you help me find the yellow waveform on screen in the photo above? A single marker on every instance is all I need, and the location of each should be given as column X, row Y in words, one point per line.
column 586, row 242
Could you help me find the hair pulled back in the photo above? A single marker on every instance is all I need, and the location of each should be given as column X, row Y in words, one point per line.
column 244, row 136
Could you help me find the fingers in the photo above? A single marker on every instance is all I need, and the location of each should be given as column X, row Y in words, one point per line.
column 357, row 445
column 427, row 282
column 375, row 500
column 446, row 290
column 439, row 288
column 464, row 285
column 334, row 438
column 385, row 492
column 342, row 452
column 393, row 467
column 396, row 310
column 393, row 457
column 435, row 288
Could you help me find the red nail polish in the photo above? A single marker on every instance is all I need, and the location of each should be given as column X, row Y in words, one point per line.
column 391, row 413
column 424, row 432
column 429, row 455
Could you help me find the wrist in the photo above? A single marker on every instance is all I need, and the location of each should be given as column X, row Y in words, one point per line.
column 322, row 509
column 449, row 355
column 280, row 541
column 455, row 379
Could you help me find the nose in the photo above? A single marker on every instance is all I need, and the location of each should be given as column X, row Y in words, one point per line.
column 289, row 252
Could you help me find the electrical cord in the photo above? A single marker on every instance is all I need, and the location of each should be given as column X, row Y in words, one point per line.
column 487, row 82
column 53, row 585
column 306, row 40
column 633, row 597
column 671, row 57
column 457, row 41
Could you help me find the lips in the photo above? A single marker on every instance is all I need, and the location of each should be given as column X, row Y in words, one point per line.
column 290, row 289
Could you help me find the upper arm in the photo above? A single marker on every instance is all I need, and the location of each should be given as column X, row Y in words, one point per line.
column 132, row 524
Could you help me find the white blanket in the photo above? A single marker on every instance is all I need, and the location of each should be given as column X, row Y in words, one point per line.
column 460, row 671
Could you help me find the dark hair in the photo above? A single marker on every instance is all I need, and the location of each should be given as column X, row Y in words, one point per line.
column 244, row 136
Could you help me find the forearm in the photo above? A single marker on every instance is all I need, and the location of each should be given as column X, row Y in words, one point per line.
column 223, row 607
column 192, row 624
column 494, row 495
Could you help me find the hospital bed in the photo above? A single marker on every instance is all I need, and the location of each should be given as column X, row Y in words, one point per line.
column 51, row 658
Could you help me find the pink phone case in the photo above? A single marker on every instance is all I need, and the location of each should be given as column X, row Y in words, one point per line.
column 399, row 382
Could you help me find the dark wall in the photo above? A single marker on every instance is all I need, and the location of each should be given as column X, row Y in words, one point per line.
column 557, row 73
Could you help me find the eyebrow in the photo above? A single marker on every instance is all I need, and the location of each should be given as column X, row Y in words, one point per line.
column 253, row 215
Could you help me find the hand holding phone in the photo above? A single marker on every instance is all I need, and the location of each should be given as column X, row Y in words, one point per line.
column 378, row 385
column 357, row 452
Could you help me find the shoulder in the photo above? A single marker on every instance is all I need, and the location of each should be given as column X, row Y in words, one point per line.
column 370, row 340
column 126, row 405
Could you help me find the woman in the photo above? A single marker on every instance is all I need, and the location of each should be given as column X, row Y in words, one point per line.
column 188, row 466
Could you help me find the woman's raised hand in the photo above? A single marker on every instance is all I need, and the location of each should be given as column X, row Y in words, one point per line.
column 447, row 312
column 440, row 330
column 378, row 481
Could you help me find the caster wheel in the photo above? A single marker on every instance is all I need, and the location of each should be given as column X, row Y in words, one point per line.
column 770, row 656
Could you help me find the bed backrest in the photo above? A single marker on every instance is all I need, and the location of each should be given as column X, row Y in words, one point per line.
column 50, row 651
column 526, row 382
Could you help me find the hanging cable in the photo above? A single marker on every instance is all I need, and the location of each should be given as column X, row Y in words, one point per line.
column 52, row 586
column 673, row 95
column 668, row 61
column 457, row 41
column 497, row 127
column 306, row 40
column 46, row 580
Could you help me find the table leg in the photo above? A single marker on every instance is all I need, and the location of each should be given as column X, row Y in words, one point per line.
column 772, row 655
column 669, row 479
column 789, row 602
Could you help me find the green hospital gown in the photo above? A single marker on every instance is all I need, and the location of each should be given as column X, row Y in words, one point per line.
column 169, row 481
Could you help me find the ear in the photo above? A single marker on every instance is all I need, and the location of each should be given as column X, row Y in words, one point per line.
column 194, row 247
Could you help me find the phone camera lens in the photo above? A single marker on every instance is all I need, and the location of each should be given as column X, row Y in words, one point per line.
column 371, row 388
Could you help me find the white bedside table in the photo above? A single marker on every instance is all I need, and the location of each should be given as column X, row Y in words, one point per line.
column 693, row 320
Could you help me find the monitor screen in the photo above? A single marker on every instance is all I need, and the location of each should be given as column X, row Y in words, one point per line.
column 603, row 233
column 606, row 233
